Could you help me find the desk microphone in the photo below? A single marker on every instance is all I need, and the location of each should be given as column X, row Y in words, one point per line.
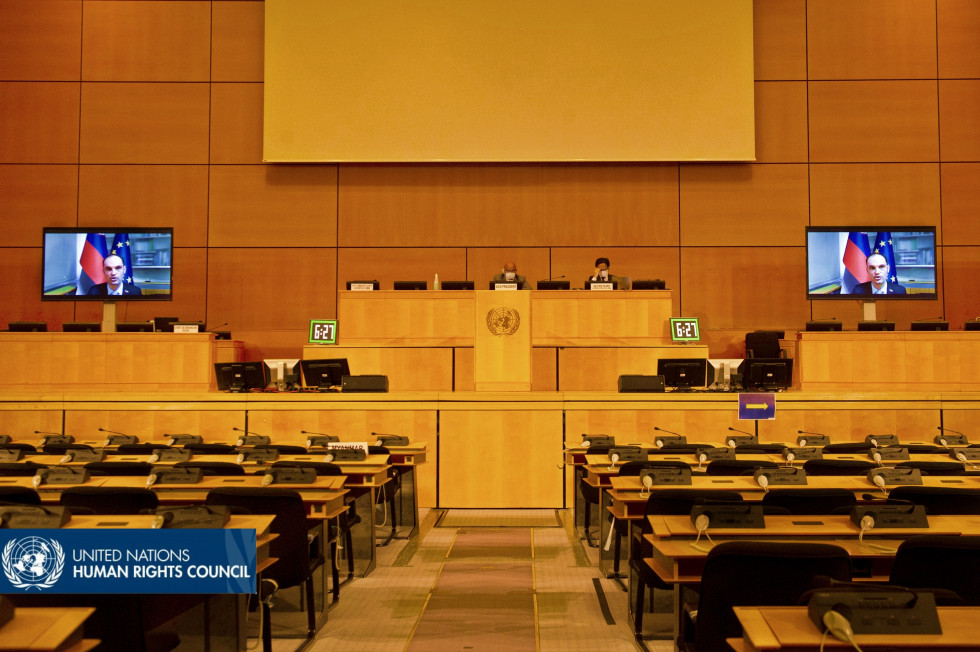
column 553, row 278
column 802, row 440
column 247, row 432
column 46, row 432
column 310, row 432
column 731, row 442
column 876, row 456
column 660, row 442
column 213, row 329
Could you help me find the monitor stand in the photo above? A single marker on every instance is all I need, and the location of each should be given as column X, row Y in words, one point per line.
column 870, row 310
column 109, row 317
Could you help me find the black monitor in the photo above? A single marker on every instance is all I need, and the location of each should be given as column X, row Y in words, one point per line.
column 241, row 376
column 973, row 325
column 28, row 327
column 554, row 285
column 649, row 284
column 164, row 324
column 766, row 373
column 590, row 282
column 683, row 373
column 82, row 327
column 457, row 285
column 324, row 374
column 824, row 325
column 929, row 325
column 411, row 285
column 375, row 285
column 876, row 325
column 134, row 327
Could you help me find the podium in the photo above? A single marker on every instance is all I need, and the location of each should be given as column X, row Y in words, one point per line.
column 502, row 341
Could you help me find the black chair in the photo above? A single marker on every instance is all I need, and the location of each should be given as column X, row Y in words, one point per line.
column 765, row 449
column 754, row 573
column 104, row 500
column 15, row 446
column 213, row 468
column 764, row 344
column 934, row 468
column 848, row 447
column 669, row 502
column 19, row 496
column 20, row 469
column 938, row 500
column 119, row 468
column 298, row 552
column 837, row 467
column 940, row 562
column 678, row 449
column 386, row 496
column 211, row 449
column 738, row 467
column 61, row 449
column 924, row 448
column 808, row 501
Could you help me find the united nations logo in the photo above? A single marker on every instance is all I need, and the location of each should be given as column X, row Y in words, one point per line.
column 503, row 321
column 33, row 562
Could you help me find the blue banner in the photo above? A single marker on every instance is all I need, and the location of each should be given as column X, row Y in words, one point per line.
column 127, row 561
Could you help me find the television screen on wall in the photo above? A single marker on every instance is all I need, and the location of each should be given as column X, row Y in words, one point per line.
column 107, row 264
column 871, row 262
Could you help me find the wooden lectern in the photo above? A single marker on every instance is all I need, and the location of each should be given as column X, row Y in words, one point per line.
column 502, row 341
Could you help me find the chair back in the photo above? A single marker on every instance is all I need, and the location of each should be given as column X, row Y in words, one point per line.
column 104, row 500
column 955, row 501
column 837, row 467
column 19, row 496
column 213, row 468
column 940, row 562
column 321, row 468
column 934, row 468
column 763, row 344
column 20, row 469
column 119, row 468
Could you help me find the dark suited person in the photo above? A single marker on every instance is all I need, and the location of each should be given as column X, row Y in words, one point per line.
column 880, row 282
column 116, row 285
column 510, row 275
column 602, row 275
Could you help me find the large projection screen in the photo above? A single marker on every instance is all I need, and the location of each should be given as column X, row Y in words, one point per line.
column 508, row 80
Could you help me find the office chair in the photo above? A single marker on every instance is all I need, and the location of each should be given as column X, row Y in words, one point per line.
column 119, row 468
column 764, row 344
column 738, row 467
column 386, row 496
column 27, row 448
column 213, row 468
column 19, row 496
column 938, row 500
column 297, row 551
column 104, row 500
column 848, row 447
column 934, row 468
column 941, row 562
column 20, row 469
column 664, row 501
column 754, row 573
column 61, row 449
column 804, row 502
column 837, row 467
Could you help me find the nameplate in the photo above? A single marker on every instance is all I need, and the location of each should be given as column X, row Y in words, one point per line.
column 597, row 285
column 187, row 328
column 505, row 286
column 362, row 287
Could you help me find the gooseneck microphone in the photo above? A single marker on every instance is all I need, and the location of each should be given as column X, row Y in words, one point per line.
column 247, row 432
column 47, row 432
column 310, row 432
column 955, row 432
column 744, row 432
column 807, row 432
column 669, row 432
column 115, row 432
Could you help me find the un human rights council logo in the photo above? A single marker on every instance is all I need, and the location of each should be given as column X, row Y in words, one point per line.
column 503, row 321
column 33, row 562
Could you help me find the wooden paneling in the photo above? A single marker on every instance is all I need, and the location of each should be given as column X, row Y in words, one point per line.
column 154, row 424
column 40, row 41
column 137, row 40
column 961, row 269
column 274, row 343
column 237, row 41
column 483, row 263
column 35, row 196
column 20, row 421
column 601, row 318
column 282, row 205
column 961, row 203
column 875, row 193
column 780, row 39
column 871, row 39
column 780, row 122
column 743, row 205
column 406, row 318
column 21, row 268
column 958, row 26
column 588, row 369
column 873, row 121
column 270, row 288
column 38, row 122
column 844, row 425
column 959, row 119
column 707, row 424
column 236, row 123
column 745, row 287
column 407, row 368
column 146, row 195
column 400, row 264
column 544, row 370
column 144, row 123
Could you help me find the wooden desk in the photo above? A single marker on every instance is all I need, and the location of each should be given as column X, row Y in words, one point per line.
column 47, row 629
column 790, row 629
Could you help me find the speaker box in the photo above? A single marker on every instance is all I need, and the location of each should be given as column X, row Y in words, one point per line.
column 364, row 383
column 635, row 383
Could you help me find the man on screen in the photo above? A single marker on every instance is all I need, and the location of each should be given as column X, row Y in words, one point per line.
column 602, row 275
column 509, row 275
column 115, row 274
column 881, row 282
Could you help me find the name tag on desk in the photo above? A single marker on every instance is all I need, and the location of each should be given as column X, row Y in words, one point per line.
column 362, row 287
column 505, row 286
column 596, row 285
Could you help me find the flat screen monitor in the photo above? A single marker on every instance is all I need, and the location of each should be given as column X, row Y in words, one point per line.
column 847, row 262
column 241, row 376
column 766, row 373
column 457, row 285
column 28, row 326
column 683, row 373
column 650, row 284
column 590, row 283
column 554, row 285
column 82, row 327
column 929, row 325
column 410, row 285
column 324, row 374
column 92, row 264
column 283, row 372
column 972, row 325
column 363, row 285
column 879, row 325
column 824, row 326
column 164, row 324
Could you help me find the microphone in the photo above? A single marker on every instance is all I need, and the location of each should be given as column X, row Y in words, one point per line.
column 247, row 432
column 115, row 432
column 731, row 442
column 660, row 442
column 876, row 456
column 308, row 432
column 955, row 432
column 763, row 481
column 46, row 432
column 807, row 432
column 553, row 278
column 211, row 330
column 613, row 458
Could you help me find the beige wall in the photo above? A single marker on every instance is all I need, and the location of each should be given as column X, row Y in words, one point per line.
column 133, row 112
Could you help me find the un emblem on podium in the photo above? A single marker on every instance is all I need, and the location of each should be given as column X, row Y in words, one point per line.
column 503, row 321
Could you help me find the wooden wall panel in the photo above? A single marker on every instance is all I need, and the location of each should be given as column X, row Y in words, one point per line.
column 780, row 122
column 236, row 123
column 40, row 41
column 282, row 205
column 745, row 287
column 144, row 40
column 270, row 288
column 21, row 423
column 961, row 203
column 959, row 119
column 400, row 264
column 144, row 123
column 147, row 195
column 155, row 424
column 237, row 41
column 21, row 268
column 482, row 263
column 35, row 196
column 871, row 39
column 958, row 23
column 743, row 204
column 780, row 39
column 961, row 269
column 875, row 193
column 38, row 122
column 873, row 121
column 275, row 343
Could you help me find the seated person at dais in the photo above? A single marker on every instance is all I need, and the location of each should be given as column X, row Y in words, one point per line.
column 509, row 275
column 602, row 275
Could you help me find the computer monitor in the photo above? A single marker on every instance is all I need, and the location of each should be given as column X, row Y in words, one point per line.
column 554, row 285
column 241, row 376
column 766, row 373
column 824, row 325
column 876, row 325
column 649, row 284
column 164, row 324
column 81, row 327
column 411, row 285
column 134, row 327
column 28, row 327
column 972, row 325
column 929, row 325
column 283, row 372
column 324, row 374
column 457, row 285
column 683, row 373
column 363, row 285
column 589, row 283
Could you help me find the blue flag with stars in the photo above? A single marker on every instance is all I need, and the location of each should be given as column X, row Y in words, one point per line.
column 120, row 247
column 883, row 246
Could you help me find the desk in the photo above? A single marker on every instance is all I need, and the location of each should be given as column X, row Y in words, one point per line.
column 47, row 629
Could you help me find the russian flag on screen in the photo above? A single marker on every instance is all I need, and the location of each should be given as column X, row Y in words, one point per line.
column 120, row 247
column 93, row 253
column 883, row 246
column 855, row 261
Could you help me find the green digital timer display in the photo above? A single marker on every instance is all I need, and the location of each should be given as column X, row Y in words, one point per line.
column 684, row 329
column 323, row 331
